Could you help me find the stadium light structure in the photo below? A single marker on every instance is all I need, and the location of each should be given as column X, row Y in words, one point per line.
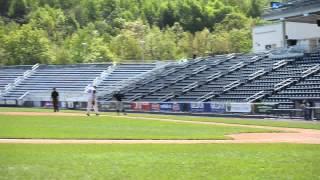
column 84, row 45
column 142, row 42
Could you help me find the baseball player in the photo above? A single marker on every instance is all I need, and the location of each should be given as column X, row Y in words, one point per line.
column 92, row 100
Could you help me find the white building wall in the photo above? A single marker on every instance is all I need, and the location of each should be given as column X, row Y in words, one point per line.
column 302, row 31
column 272, row 35
column 268, row 35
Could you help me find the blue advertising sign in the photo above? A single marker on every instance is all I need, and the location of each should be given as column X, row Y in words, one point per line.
column 197, row 107
column 184, row 107
column 207, row 107
column 166, row 107
column 175, row 107
column 218, row 107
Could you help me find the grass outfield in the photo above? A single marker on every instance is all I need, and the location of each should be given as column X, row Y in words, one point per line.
column 19, row 109
column 261, row 122
column 74, row 127
column 210, row 161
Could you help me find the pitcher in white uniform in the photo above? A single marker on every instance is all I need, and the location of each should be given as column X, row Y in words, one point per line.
column 92, row 100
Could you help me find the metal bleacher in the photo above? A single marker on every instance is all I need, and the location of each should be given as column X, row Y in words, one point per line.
column 307, row 86
column 225, row 78
column 230, row 73
column 70, row 79
column 173, row 79
column 123, row 74
column 237, row 78
column 8, row 75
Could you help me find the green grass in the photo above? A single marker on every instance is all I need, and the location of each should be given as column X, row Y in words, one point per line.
column 20, row 109
column 109, row 128
column 206, row 161
column 261, row 122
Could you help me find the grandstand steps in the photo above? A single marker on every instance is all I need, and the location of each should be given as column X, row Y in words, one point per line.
column 226, row 81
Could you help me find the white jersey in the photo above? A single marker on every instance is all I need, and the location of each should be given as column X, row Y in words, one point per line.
column 91, row 93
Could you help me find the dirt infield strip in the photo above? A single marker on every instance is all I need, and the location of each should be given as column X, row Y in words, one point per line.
column 290, row 135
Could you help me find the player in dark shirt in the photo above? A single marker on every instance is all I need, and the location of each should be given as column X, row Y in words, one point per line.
column 119, row 104
column 55, row 100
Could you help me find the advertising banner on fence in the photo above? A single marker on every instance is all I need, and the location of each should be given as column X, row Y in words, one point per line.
column 238, row 107
column 136, row 106
column 175, row 107
column 11, row 102
column 197, row 107
column 155, row 107
column 145, row 106
column 184, row 107
column 46, row 104
column 264, row 108
column 207, row 107
column 218, row 107
column 167, row 107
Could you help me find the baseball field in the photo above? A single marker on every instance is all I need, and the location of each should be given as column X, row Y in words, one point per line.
column 39, row 144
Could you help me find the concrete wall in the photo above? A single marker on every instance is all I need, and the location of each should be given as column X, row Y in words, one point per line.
column 272, row 35
column 268, row 35
column 302, row 30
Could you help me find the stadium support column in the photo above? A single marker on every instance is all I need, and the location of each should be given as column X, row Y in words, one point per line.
column 284, row 33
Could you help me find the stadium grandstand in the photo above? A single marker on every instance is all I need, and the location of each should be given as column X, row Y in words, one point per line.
column 269, row 81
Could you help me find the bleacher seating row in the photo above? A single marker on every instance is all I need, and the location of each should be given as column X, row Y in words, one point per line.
column 67, row 79
column 8, row 74
column 239, row 78
column 224, row 78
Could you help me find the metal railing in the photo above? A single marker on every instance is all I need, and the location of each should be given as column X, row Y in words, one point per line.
column 199, row 69
column 236, row 66
column 279, row 64
column 213, row 76
column 166, row 97
column 206, row 96
column 283, row 84
column 310, row 71
column 18, row 80
column 256, row 96
column 132, row 80
column 190, row 86
column 231, row 85
column 256, row 74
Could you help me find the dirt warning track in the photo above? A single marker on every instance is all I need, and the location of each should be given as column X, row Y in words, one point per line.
column 288, row 135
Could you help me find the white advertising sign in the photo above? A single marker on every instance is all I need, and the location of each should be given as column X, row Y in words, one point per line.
column 239, row 107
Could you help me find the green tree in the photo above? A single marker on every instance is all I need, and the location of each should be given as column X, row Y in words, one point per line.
column 49, row 19
column 256, row 8
column 87, row 45
column 126, row 47
column 240, row 40
column 27, row 46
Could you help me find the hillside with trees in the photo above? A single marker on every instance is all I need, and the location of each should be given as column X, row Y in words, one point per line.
column 85, row 31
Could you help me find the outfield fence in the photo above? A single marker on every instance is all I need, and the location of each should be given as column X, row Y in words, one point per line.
column 213, row 108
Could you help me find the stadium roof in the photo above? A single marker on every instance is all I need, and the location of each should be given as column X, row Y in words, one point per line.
column 306, row 11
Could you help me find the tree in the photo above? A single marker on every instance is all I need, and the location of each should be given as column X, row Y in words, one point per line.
column 69, row 31
column 240, row 40
column 126, row 47
column 27, row 46
column 233, row 21
column 219, row 43
column 200, row 42
column 256, row 8
column 87, row 45
column 49, row 19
